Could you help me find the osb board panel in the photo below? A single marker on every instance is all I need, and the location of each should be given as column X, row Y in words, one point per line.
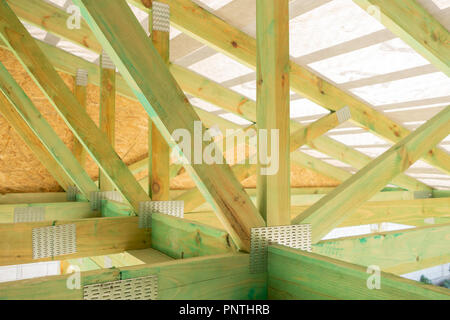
column 20, row 171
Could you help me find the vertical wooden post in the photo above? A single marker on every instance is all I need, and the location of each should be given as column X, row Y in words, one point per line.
column 273, row 195
column 159, row 152
column 107, row 109
column 80, row 93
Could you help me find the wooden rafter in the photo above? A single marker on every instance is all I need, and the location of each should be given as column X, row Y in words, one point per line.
column 43, row 73
column 23, row 106
column 123, row 38
column 331, row 210
column 413, row 24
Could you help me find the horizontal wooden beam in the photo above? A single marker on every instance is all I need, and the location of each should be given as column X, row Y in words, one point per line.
column 333, row 209
column 178, row 238
column 299, row 275
column 419, row 212
column 44, row 197
column 413, row 24
column 396, row 199
column 96, row 236
column 182, row 238
column 220, row 277
column 399, row 252
column 53, row 211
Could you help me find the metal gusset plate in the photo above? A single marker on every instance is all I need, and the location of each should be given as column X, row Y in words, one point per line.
column 145, row 288
column 29, row 214
column 97, row 196
column 54, row 241
column 294, row 236
column 171, row 208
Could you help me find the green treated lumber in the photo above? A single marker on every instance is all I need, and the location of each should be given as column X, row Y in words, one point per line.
column 208, row 90
column 319, row 166
column 54, row 287
column 223, row 276
column 45, row 197
column 441, row 193
column 94, row 236
column 117, row 260
column 413, row 24
column 331, row 210
column 80, row 94
column 110, row 208
column 60, row 152
column 216, row 277
column 398, row 252
column 123, row 38
column 31, row 140
column 40, row 69
column 298, row 275
column 273, row 99
column 180, row 238
column 107, row 111
column 204, row 26
column 159, row 151
column 149, row 256
column 53, row 211
column 177, row 238
column 420, row 212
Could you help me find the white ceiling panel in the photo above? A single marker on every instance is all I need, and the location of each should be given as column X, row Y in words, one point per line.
column 220, row 68
column 432, row 85
column 383, row 58
column 330, row 24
